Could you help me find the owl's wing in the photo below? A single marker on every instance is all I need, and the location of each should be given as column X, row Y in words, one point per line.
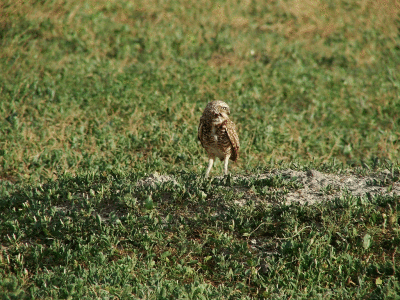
column 234, row 138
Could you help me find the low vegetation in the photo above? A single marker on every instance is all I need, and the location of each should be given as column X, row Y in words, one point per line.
column 101, row 193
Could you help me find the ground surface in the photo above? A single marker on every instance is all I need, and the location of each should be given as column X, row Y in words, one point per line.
column 101, row 193
column 314, row 186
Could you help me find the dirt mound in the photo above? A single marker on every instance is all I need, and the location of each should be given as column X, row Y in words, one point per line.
column 311, row 186
column 318, row 186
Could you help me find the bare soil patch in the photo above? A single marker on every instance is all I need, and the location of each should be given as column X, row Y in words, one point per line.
column 315, row 186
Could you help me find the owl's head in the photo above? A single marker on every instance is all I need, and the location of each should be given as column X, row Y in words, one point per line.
column 217, row 109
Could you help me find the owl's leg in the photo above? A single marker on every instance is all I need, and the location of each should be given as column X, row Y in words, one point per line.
column 210, row 164
column 226, row 161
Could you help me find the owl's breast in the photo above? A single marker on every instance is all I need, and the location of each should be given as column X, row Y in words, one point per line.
column 215, row 140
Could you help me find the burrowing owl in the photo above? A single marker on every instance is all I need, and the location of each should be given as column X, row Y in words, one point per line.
column 217, row 134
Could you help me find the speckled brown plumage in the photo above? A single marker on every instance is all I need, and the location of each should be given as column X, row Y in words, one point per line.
column 217, row 134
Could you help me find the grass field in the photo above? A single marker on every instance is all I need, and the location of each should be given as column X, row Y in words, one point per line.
column 97, row 95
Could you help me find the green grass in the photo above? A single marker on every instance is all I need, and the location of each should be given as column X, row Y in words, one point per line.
column 104, row 236
column 95, row 95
